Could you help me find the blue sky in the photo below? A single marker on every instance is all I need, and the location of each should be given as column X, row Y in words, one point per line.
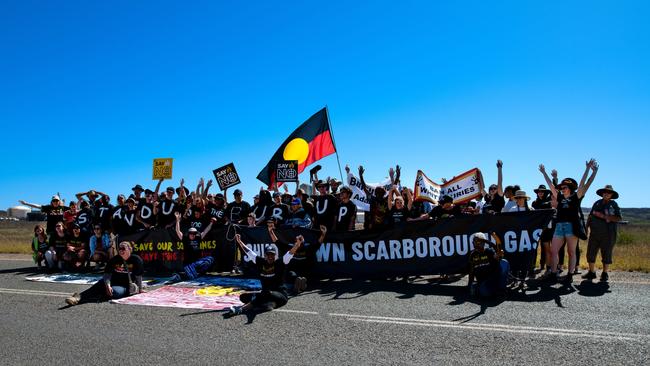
column 91, row 92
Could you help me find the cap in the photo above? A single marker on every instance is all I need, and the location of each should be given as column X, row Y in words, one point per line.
column 170, row 188
column 218, row 196
column 56, row 198
column 480, row 236
column 446, row 199
column 296, row 201
column 276, row 194
column 271, row 249
column 148, row 191
column 237, row 192
column 192, row 230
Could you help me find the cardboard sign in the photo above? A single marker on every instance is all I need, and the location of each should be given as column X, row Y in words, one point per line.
column 286, row 171
column 226, row 176
column 162, row 168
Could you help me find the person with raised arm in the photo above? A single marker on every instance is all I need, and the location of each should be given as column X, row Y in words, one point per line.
column 378, row 204
column 494, row 201
column 54, row 212
column 274, row 293
column 568, row 196
column 398, row 212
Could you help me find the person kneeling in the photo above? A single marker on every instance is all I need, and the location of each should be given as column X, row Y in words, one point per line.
column 488, row 274
column 122, row 277
column 274, row 294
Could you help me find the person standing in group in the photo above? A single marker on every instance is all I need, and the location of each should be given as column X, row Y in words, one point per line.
column 543, row 202
column 603, row 230
column 54, row 213
column 568, row 197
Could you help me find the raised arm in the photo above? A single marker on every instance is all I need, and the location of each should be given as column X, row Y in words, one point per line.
column 32, row 205
column 363, row 182
column 391, row 194
column 271, row 228
column 179, row 233
column 542, row 169
column 158, row 188
column 245, row 249
column 323, row 232
column 409, row 197
column 593, row 165
column 207, row 188
column 500, row 177
column 181, row 192
column 208, row 228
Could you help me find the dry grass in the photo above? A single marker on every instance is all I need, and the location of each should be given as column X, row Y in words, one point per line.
column 632, row 251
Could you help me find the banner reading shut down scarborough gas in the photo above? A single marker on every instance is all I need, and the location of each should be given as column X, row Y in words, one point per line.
column 416, row 248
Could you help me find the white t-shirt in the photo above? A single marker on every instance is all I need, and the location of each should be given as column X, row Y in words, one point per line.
column 520, row 209
column 508, row 206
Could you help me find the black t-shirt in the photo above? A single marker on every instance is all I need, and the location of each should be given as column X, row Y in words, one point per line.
column 119, row 269
column 191, row 249
column 346, row 212
column 439, row 212
column 199, row 223
column 145, row 212
column 117, row 219
column 542, row 204
column 78, row 242
column 417, row 209
column 568, row 209
column 271, row 274
column 325, row 210
column 378, row 212
column 308, row 206
column 54, row 215
column 166, row 210
column 103, row 215
column 483, row 264
column 397, row 216
column 218, row 212
column 85, row 219
column 238, row 211
column 262, row 212
column 130, row 225
column 494, row 205
column 59, row 243
column 280, row 212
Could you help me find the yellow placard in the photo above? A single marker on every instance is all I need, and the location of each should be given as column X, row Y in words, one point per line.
column 162, row 168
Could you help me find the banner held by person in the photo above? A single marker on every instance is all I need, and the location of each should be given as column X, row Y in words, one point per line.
column 310, row 142
column 359, row 197
column 462, row 188
column 162, row 168
column 226, row 176
column 416, row 248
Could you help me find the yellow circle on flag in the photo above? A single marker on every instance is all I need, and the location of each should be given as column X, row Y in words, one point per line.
column 296, row 149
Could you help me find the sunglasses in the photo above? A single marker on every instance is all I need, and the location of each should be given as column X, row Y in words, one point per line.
column 122, row 248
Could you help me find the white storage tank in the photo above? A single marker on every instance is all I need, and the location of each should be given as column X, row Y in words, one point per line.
column 19, row 212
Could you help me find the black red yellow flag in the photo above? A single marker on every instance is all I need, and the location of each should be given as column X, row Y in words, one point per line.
column 309, row 143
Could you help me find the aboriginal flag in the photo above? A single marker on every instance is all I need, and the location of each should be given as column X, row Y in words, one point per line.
column 310, row 142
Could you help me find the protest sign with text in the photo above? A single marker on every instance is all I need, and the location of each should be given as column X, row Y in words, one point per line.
column 359, row 197
column 162, row 168
column 286, row 171
column 226, row 176
column 462, row 188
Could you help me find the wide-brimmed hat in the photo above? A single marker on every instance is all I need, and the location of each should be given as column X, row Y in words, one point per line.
column 521, row 194
column 345, row 189
column 608, row 189
column 187, row 191
column 542, row 188
column 480, row 236
column 569, row 182
column 137, row 186
column 320, row 183
column 55, row 198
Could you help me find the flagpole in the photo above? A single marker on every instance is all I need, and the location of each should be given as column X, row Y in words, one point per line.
column 329, row 122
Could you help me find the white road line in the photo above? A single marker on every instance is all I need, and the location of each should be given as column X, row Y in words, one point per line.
column 296, row 311
column 496, row 327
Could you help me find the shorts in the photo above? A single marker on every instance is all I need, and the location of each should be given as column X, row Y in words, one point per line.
column 563, row 229
column 604, row 243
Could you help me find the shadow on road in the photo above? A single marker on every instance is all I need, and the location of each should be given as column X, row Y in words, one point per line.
column 33, row 270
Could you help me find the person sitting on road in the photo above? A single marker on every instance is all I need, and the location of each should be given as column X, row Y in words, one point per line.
column 194, row 262
column 122, row 277
column 272, row 271
column 57, row 246
column 488, row 274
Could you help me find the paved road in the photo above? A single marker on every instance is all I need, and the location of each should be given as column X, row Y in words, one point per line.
column 338, row 322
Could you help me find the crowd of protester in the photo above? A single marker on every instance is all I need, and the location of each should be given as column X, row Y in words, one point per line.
column 89, row 228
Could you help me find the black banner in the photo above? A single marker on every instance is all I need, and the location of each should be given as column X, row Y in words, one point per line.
column 415, row 248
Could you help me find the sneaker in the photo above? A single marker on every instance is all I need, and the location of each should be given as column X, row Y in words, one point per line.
column 604, row 277
column 576, row 271
column 175, row 278
column 568, row 279
column 589, row 275
column 235, row 310
column 73, row 300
